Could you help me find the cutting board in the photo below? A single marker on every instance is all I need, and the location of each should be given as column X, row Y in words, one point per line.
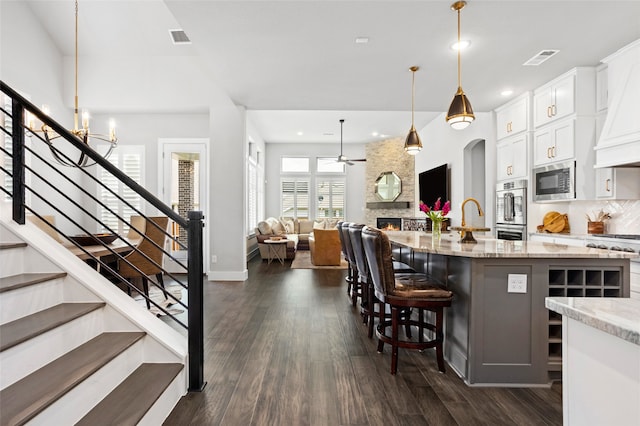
column 555, row 222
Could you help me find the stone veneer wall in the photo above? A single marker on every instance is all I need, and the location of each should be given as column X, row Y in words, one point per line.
column 185, row 193
column 389, row 156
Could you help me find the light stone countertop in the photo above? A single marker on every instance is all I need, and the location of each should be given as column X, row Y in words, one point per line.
column 420, row 241
column 619, row 317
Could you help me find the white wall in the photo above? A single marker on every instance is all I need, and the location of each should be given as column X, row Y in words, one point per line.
column 442, row 144
column 355, row 184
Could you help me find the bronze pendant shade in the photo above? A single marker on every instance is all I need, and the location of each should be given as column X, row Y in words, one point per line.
column 413, row 144
column 460, row 113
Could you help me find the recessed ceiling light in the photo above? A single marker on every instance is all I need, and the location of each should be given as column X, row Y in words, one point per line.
column 506, row 92
column 382, row 135
column 463, row 45
column 374, row 133
column 300, row 133
column 362, row 40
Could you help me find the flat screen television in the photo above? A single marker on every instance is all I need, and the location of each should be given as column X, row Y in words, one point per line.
column 434, row 184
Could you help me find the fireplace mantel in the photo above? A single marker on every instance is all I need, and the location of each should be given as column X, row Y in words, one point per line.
column 388, row 205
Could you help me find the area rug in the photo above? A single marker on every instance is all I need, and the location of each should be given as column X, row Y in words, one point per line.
column 303, row 261
column 157, row 296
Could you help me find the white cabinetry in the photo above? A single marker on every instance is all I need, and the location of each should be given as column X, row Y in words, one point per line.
column 554, row 143
column 513, row 117
column 554, row 100
column 513, row 132
column 511, row 157
column 564, row 117
column 621, row 183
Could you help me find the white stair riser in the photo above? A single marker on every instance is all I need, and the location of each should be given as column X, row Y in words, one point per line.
column 12, row 261
column 71, row 407
column 161, row 409
column 23, row 301
column 27, row 357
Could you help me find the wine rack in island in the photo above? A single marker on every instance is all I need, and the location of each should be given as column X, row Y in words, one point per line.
column 576, row 281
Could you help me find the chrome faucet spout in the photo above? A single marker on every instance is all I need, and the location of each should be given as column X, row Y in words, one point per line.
column 480, row 212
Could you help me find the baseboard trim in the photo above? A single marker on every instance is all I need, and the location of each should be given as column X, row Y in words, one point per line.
column 228, row 275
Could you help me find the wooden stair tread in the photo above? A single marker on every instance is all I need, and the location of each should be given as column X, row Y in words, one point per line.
column 23, row 280
column 131, row 399
column 25, row 328
column 24, row 399
column 11, row 245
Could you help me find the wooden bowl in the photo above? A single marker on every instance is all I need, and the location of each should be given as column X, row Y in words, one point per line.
column 94, row 239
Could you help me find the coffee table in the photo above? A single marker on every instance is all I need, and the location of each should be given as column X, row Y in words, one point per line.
column 277, row 249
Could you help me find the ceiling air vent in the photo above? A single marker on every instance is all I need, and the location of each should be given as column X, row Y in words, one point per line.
column 179, row 37
column 541, row 57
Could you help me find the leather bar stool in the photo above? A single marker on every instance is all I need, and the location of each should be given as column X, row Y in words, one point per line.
column 401, row 291
column 349, row 277
column 356, row 288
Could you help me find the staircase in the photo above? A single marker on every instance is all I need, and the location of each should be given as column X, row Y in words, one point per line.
column 74, row 349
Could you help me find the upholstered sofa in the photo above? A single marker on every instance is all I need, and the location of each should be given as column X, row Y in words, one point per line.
column 295, row 230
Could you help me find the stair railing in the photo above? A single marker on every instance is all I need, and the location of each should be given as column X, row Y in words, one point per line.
column 47, row 195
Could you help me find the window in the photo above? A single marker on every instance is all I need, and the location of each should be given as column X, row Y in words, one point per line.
column 294, row 199
column 294, row 165
column 129, row 160
column 328, row 165
column 330, row 198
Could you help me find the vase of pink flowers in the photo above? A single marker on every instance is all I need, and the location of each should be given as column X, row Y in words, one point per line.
column 437, row 215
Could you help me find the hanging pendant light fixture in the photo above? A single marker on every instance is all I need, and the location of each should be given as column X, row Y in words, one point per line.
column 83, row 132
column 413, row 144
column 460, row 113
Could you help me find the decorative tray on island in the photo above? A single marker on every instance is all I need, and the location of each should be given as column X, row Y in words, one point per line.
column 94, row 239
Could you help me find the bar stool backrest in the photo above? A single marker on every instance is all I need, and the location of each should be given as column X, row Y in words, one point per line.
column 344, row 231
column 355, row 233
column 344, row 249
column 378, row 252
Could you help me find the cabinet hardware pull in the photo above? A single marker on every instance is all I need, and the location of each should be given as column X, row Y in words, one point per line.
column 553, row 151
column 554, row 110
column 549, row 111
column 607, row 188
column 549, row 152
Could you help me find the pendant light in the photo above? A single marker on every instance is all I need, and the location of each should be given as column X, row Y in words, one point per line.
column 460, row 113
column 413, row 145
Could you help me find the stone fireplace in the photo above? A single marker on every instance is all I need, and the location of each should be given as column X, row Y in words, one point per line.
column 389, row 223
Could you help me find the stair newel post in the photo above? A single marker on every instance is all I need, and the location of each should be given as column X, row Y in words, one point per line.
column 17, row 118
column 195, row 294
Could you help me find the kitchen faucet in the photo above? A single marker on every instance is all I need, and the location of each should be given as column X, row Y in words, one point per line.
column 480, row 212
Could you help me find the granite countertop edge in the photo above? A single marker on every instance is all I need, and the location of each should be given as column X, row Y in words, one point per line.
column 618, row 317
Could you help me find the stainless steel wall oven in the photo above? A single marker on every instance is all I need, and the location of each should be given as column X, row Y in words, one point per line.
column 511, row 210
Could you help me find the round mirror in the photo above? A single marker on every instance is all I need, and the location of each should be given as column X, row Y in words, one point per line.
column 388, row 186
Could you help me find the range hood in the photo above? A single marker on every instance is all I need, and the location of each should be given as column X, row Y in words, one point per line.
column 619, row 143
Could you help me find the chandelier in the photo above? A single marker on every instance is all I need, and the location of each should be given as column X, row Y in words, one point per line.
column 82, row 132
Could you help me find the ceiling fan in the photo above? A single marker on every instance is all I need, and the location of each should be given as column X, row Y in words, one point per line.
column 342, row 158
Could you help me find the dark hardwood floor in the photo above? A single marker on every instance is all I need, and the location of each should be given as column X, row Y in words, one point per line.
column 287, row 348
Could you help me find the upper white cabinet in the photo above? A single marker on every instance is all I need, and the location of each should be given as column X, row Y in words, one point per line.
column 511, row 157
column 571, row 93
column 620, row 183
column 513, row 117
column 554, row 143
column 554, row 101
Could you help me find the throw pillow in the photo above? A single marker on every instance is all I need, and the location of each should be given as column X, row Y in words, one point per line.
column 264, row 228
column 318, row 225
column 278, row 229
column 332, row 223
column 288, row 226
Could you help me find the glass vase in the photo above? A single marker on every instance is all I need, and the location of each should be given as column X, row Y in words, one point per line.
column 436, row 233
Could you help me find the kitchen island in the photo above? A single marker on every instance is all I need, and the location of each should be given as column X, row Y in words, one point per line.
column 601, row 363
column 498, row 331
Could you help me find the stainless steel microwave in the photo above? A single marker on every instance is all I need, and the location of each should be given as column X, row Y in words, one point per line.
column 555, row 182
